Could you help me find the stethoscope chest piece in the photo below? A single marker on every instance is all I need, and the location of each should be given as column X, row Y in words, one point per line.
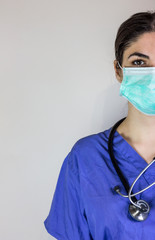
column 139, row 213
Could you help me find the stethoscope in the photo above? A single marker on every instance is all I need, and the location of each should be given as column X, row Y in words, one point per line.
column 140, row 209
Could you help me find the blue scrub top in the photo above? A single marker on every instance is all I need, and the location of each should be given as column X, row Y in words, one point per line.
column 86, row 207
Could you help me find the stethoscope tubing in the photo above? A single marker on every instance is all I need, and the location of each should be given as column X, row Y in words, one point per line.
column 131, row 195
column 110, row 148
column 139, row 210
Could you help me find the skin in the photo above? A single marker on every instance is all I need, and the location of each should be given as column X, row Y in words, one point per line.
column 138, row 129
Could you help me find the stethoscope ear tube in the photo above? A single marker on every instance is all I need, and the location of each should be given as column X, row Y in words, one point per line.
column 139, row 210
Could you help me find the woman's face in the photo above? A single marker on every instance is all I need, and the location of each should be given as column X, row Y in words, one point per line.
column 139, row 54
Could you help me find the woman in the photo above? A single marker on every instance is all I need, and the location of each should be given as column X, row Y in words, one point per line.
column 86, row 203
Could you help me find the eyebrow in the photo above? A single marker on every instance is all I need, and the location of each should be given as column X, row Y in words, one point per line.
column 139, row 55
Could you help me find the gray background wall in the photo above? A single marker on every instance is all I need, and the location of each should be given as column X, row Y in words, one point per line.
column 57, row 85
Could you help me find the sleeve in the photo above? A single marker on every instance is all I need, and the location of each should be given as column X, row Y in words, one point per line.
column 67, row 219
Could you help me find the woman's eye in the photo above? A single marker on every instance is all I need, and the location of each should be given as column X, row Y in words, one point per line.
column 138, row 62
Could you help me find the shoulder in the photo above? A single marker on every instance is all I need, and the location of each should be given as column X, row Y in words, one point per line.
column 89, row 151
column 92, row 142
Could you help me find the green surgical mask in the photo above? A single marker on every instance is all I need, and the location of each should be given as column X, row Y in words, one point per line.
column 138, row 87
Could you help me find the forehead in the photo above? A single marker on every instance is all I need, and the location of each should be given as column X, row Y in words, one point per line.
column 144, row 44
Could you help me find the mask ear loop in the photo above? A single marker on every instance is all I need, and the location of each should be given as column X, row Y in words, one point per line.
column 119, row 65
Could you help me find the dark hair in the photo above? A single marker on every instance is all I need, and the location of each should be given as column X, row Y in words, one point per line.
column 131, row 29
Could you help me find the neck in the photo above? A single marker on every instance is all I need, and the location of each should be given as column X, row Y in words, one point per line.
column 138, row 127
column 138, row 130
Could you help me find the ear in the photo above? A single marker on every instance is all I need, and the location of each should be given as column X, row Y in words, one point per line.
column 118, row 71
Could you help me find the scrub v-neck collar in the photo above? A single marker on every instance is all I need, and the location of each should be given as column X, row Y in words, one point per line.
column 128, row 153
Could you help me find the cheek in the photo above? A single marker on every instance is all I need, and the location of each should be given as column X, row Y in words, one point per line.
column 121, row 77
